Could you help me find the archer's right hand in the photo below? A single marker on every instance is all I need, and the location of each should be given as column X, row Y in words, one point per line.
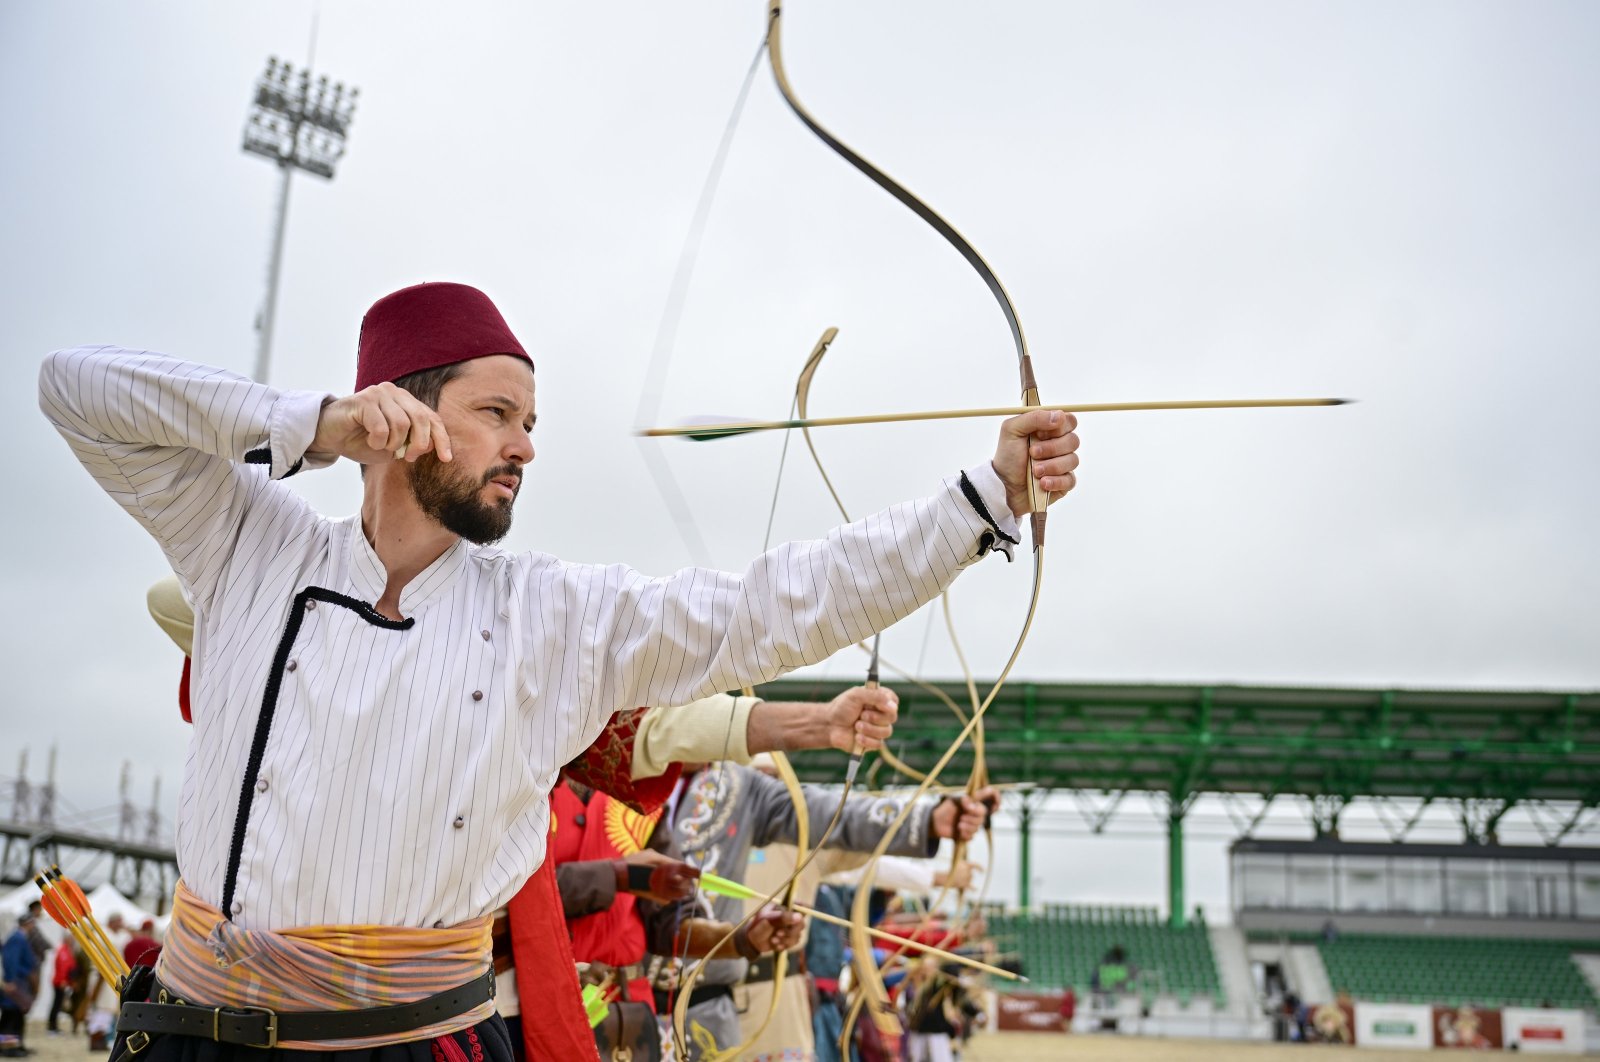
column 370, row 426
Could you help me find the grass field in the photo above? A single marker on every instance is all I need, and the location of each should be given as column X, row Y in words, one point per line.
column 1034, row 1047
column 1000, row 1047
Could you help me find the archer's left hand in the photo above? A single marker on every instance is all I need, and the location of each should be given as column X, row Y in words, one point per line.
column 862, row 715
column 962, row 817
column 774, row 929
column 670, row 880
column 1049, row 437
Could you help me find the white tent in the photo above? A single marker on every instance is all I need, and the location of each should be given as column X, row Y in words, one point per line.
column 16, row 901
column 107, row 901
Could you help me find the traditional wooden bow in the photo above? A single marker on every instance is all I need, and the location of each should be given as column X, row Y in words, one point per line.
column 873, row 993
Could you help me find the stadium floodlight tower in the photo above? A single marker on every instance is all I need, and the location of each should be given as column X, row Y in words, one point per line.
column 300, row 124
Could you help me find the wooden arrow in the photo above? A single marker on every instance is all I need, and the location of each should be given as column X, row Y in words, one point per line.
column 725, row 887
column 707, row 432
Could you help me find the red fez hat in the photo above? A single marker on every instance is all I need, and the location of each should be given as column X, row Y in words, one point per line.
column 426, row 326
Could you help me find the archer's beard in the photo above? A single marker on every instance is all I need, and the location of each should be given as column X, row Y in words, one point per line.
column 452, row 497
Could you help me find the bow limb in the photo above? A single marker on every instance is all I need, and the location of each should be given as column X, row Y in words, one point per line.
column 874, row 993
column 859, row 935
column 867, row 970
column 1038, row 498
column 680, row 1009
column 780, row 962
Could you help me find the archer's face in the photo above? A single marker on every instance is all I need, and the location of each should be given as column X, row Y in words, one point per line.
column 488, row 409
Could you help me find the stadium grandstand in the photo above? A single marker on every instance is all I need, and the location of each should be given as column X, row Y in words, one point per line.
column 1469, row 943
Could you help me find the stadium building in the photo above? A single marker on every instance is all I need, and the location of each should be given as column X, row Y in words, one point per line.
column 1473, row 943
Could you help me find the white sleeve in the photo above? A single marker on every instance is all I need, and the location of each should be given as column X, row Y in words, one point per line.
column 677, row 638
column 896, row 873
column 186, row 449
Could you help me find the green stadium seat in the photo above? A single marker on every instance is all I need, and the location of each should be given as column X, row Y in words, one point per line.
column 1457, row 970
column 1064, row 943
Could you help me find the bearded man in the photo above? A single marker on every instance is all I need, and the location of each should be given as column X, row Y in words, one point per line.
column 382, row 702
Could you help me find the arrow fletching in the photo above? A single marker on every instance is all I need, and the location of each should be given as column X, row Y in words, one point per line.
column 723, row 887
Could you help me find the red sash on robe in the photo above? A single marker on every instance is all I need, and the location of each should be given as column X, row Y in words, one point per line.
column 554, row 1026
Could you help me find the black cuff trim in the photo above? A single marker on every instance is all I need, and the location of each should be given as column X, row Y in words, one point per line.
column 262, row 455
column 987, row 540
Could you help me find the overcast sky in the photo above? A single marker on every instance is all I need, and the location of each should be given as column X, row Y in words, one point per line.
column 1396, row 202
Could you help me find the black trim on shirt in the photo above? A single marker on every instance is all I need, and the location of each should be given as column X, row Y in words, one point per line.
column 986, row 541
column 269, row 706
column 262, row 455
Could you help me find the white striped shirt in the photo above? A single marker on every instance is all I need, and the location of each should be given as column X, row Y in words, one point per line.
column 349, row 769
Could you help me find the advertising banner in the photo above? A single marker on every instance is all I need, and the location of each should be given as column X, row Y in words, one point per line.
column 1030, row 1012
column 1550, row 1032
column 1393, row 1025
column 1467, row 1027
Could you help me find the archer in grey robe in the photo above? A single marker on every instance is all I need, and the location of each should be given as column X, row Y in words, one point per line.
column 725, row 811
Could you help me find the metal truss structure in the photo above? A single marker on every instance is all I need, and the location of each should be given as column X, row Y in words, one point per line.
column 1398, row 752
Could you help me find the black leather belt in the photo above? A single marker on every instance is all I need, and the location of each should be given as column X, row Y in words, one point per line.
column 762, row 970
column 702, row 994
column 260, row 1027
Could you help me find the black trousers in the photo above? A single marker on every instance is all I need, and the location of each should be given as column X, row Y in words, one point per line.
column 488, row 1041
column 62, row 1002
column 12, row 1022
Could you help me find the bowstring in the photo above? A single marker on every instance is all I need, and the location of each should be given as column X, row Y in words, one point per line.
column 655, row 376
column 666, row 483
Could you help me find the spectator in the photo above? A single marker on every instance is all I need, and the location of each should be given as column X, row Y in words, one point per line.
column 1330, row 932
column 825, row 947
column 142, row 949
column 61, row 996
column 117, row 930
column 1296, row 1016
column 78, row 985
column 1115, row 973
column 36, row 938
column 937, row 1006
column 19, row 984
column 1068, row 1009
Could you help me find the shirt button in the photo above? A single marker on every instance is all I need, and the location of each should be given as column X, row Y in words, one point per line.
column 238, row 908
column 261, row 786
column 477, row 695
column 311, row 604
column 292, row 665
column 461, row 820
column 485, row 635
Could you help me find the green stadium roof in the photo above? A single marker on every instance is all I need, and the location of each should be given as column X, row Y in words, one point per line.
column 1184, row 740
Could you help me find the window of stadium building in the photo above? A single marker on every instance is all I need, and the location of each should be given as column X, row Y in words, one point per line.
column 1466, row 886
column 1311, row 883
column 1417, row 883
column 1363, row 883
column 1552, row 890
column 1586, row 898
column 1264, row 880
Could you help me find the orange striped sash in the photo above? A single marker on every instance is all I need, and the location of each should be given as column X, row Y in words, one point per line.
column 209, row 961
